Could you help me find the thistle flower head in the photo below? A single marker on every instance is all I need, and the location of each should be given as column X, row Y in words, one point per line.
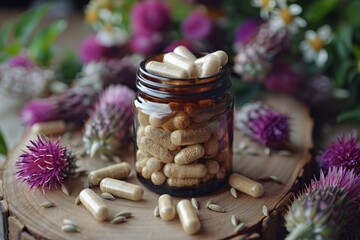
column 197, row 26
column 320, row 214
column 247, row 30
column 39, row 110
column 45, row 164
column 92, row 50
column 20, row 61
column 264, row 124
column 344, row 151
column 110, row 122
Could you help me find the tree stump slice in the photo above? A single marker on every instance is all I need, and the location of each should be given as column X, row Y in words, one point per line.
column 27, row 219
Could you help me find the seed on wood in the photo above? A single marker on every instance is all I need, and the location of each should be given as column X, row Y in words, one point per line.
column 156, row 211
column 208, row 203
column 123, row 214
column 267, row 151
column 216, row 208
column 272, row 178
column 285, row 153
column 234, row 220
column 251, row 152
column 195, row 203
column 77, row 200
column 107, row 196
column 47, row 204
column 68, row 222
column 69, row 228
column 233, row 192
column 119, row 219
column 65, row 189
column 265, row 211
column 242, row 146
column 239, row 227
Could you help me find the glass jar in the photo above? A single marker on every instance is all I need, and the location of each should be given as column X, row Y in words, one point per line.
column 183, row 132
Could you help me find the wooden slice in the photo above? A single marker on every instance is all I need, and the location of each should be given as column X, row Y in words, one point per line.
column 26, row 212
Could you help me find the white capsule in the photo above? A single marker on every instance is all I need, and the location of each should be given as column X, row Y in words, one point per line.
column 210, row 66
column 184, row 52
column 181, row 62
column 166, row 70
column 223, row 57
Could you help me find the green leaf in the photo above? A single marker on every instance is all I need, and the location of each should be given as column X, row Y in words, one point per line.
column 27, row 23
column 345, row 34
column 317, row 10
column 356, row 51
column 180, row 10
column 12, row 49
column 341, row 72
column 353, row 114
column 42, row 42
column 352, row 13
column 3, row 146
column 5, row 32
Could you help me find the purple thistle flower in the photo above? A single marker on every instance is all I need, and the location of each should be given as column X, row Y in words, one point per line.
column 146, row 43
column 282, row 78
column 92, row 50
column 197, row 26
column 264, row 124
column 150, row 16
column 109, row 125
column 39, row 110
column 342, row 152
column 247, row 30
column 45, row 164
column 20, row 61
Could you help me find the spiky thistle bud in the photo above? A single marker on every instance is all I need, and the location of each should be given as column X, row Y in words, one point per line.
column 39, row 110
column 344, row 151
column 264, row 124
column 109, row 124
column 45, row 164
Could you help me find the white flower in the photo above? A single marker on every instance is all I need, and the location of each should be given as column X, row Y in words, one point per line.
column 314, row 43
column 266, row 6
column 112, row 37
column 287, row 17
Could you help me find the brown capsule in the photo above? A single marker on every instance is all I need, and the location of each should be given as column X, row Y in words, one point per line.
column 117, row 171
column 189, row 154
column 196, row 170
column 122, row 189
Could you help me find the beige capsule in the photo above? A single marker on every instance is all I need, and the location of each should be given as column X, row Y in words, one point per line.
column 204, row 116
column 94, row 204
column 181, row 120
column 169, row 125
column 211, row 146
column 188, row 65
column 156, row 150
column 183, row 182
column 166, row 70
column 155, row 121
column 189, row 154
column 188, row 217
column 210, row 66
column 167, row 209
column 190, row 136
column 184, row 52
column 195, row 170
column 158, row 178
column 117, row 171
column 140, row 132
column 246, row 185
column 154, row 164
column 212, row 166
column 221, row 174
column 48, row 128
column 122, row 189
column 143, row 118
column 146, row 172
column 160, row 136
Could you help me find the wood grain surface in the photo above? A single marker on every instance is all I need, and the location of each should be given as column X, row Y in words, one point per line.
column 24, row 205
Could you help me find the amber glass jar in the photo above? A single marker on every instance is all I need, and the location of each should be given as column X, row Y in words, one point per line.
column 183, row 132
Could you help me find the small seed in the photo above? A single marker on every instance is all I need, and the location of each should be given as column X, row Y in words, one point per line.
column 267, row 151
column 77, row 200
column 123, row 214
column 216, row 208
column 242, row 146
column 119, row 219
column 47, row 204
column 156, row 211
column 233, row 192
column 65, row 189
column 195, row 203
column 208, row 203
column 251, row 152
column 68, row 222
column 107, row 196
column 265, row 211
column 285, row 153
column 272, row 178
column 69, row 228
column 239, row 227
column 234, row 220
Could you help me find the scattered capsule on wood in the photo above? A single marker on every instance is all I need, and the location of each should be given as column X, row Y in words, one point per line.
column 94, row 204
column 188, row 217
column 246, row 185
column 167, row 209
column 117, row 171
column 122, row 189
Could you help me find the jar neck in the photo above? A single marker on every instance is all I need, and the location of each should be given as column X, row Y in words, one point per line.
column 165, row 87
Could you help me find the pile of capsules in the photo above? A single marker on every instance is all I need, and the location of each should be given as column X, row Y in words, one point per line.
column 188, row 144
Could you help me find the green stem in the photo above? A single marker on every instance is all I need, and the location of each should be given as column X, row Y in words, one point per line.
column 300, row 230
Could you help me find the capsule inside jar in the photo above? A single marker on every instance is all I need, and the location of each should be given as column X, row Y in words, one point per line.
column 184, row 123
